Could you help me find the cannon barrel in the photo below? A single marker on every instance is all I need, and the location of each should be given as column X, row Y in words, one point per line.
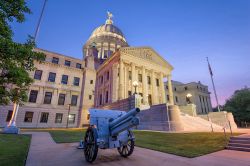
column 131, row 113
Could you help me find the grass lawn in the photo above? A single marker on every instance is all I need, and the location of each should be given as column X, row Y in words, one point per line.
column 181, row 144
column 14, row 149
column 62, row 135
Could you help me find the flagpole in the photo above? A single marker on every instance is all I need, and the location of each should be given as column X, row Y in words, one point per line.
column 215, row 94
column 39, row 21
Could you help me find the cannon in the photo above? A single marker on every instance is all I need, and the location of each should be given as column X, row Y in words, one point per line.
column 110, row 129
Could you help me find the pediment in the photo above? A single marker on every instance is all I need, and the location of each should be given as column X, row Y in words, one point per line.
column 147, row 54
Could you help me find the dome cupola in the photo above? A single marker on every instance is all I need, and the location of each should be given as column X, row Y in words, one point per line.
column 107, row 37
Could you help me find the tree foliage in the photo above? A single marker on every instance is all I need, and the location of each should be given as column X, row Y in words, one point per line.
column 239, row 105
column 16, row 60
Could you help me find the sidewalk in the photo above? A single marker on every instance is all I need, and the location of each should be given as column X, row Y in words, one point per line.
column 45, row 152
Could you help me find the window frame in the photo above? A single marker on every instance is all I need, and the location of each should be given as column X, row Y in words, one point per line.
column 60, row 99
column 78, row 83
column 47, row 99
column 64, row 80
column 33, row 100
column 52, row 77
column 67, row 63
column 55, row 60
column 59, row 120
column 37, row 76
column 28, row 119
column 44, row 117
column 72, row 101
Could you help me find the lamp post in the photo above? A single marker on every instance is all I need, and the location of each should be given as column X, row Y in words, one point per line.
column 188, row 97
column 68, row 116
column 135, row 84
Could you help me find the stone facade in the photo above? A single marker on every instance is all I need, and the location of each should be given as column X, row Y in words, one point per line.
column 200, row 96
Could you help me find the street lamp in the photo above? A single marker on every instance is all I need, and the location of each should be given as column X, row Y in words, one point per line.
column 135, row 84
column 188, row 98
column 68, row 116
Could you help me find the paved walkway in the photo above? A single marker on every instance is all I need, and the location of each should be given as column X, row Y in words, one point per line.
column 45, row 152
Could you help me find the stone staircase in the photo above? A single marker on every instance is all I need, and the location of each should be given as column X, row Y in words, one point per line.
column 239, row 143
column 192, row 123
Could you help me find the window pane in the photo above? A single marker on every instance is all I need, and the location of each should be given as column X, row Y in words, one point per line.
column 44, row 117
column 33, row 96
column 72, row 118
column 38, row 74
column 157, row 82
column 74, row 100
column 55, row 60
column 64, row 79
column 76, row 81
column 149, row 80
column 67, row 63
column 9, row 115
column 58, row 118
column 47, row 98
column 61, row 99
column 28, row 117
column 52, row 77
column 78, row 65
column 140, row 77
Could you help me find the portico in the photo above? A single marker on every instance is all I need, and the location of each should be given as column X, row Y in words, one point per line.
column 131, row 64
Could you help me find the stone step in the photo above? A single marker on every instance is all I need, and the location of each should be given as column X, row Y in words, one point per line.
column 239, row 141
column 239, row 145
column 240, row 138
column 238, row 148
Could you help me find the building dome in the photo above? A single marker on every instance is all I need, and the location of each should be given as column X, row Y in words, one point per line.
column 107, row 38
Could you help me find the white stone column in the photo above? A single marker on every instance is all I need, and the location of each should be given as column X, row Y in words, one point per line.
column 163, row 94
column 144, row 86
column 125, row 82
column 133, row 76
column 170, row 90
column 154, row 101
column 121, row 80
column 114, row 84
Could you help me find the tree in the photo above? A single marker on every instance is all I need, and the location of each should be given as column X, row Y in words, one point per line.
column 239, row 105
column 16, row 60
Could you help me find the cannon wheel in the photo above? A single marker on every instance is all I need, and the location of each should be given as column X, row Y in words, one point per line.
column 90, row 142
column 127, row 150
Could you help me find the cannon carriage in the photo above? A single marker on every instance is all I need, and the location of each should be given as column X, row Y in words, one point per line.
column 110, row 129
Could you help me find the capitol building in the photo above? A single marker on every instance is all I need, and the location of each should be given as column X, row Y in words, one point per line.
column 111, row 72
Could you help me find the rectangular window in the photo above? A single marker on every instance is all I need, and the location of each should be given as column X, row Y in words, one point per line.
column 61, row 99
column 100, row 99
column 105, row 54
column 129, row 75
column 107, row 97
column 157, row 82
column 58, row 118
column 149, row 80
column 76, row 81
column 166, row 87
column 91, row 81
column 44, row 117
column 149, row 99
column 55, row 60
column 47, row 98
column 9, row 115
column 74, row 100
column 101, row 78
column 72, row 118
column 186, row 88
column 52, row 77
column 90, row 97
column 129, row 93
column 38, row 74
column 33, row 96
column 140, row 77
column 78, row 65
column 176, row 99
column 28, row 117
column 168, row 97
column 107, row 76
column 67, row 63
column 64, row 79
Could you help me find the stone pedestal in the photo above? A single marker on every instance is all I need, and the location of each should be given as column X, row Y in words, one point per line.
column 11, row 130
column 175, row 121
column 189, row 109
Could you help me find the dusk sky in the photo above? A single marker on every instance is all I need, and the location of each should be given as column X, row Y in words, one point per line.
column 184, row 32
